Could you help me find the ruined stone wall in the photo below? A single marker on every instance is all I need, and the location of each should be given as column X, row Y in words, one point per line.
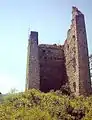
column 76, row 55
column 52, row 68
column 83, row 57
column 71, row 59
column 33, row 70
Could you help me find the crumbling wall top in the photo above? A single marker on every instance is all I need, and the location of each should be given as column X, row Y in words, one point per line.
column 76, row 11
column 53, row 46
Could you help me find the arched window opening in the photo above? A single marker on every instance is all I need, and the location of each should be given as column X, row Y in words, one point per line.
column 74, row 86
column 67, row 47
column 43, row 51
column 74, row 36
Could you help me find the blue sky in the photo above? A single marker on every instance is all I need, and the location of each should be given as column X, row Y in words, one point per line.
column 51, row 18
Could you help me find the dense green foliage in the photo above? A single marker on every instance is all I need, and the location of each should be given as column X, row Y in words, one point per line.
column 35, row 105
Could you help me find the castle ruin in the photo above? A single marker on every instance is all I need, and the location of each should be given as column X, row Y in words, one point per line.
column 51, row 66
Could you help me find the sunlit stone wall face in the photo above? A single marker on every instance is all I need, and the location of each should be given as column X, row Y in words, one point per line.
column 76, row 55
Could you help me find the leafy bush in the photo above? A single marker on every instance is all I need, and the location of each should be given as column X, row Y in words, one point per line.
column 35, row 105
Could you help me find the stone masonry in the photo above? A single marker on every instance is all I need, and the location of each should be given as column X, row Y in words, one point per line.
column 32, row 71
column 51, row 66
column 90, row 63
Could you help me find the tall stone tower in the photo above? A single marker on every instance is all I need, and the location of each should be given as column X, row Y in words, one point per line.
column 76, row 55
column 51, row 66
column 32, row 70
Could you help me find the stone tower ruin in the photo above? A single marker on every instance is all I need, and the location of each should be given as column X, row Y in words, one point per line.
column 32, row 71
column 51, row 66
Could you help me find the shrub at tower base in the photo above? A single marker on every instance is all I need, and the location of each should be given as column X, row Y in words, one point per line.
column 35, row 105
